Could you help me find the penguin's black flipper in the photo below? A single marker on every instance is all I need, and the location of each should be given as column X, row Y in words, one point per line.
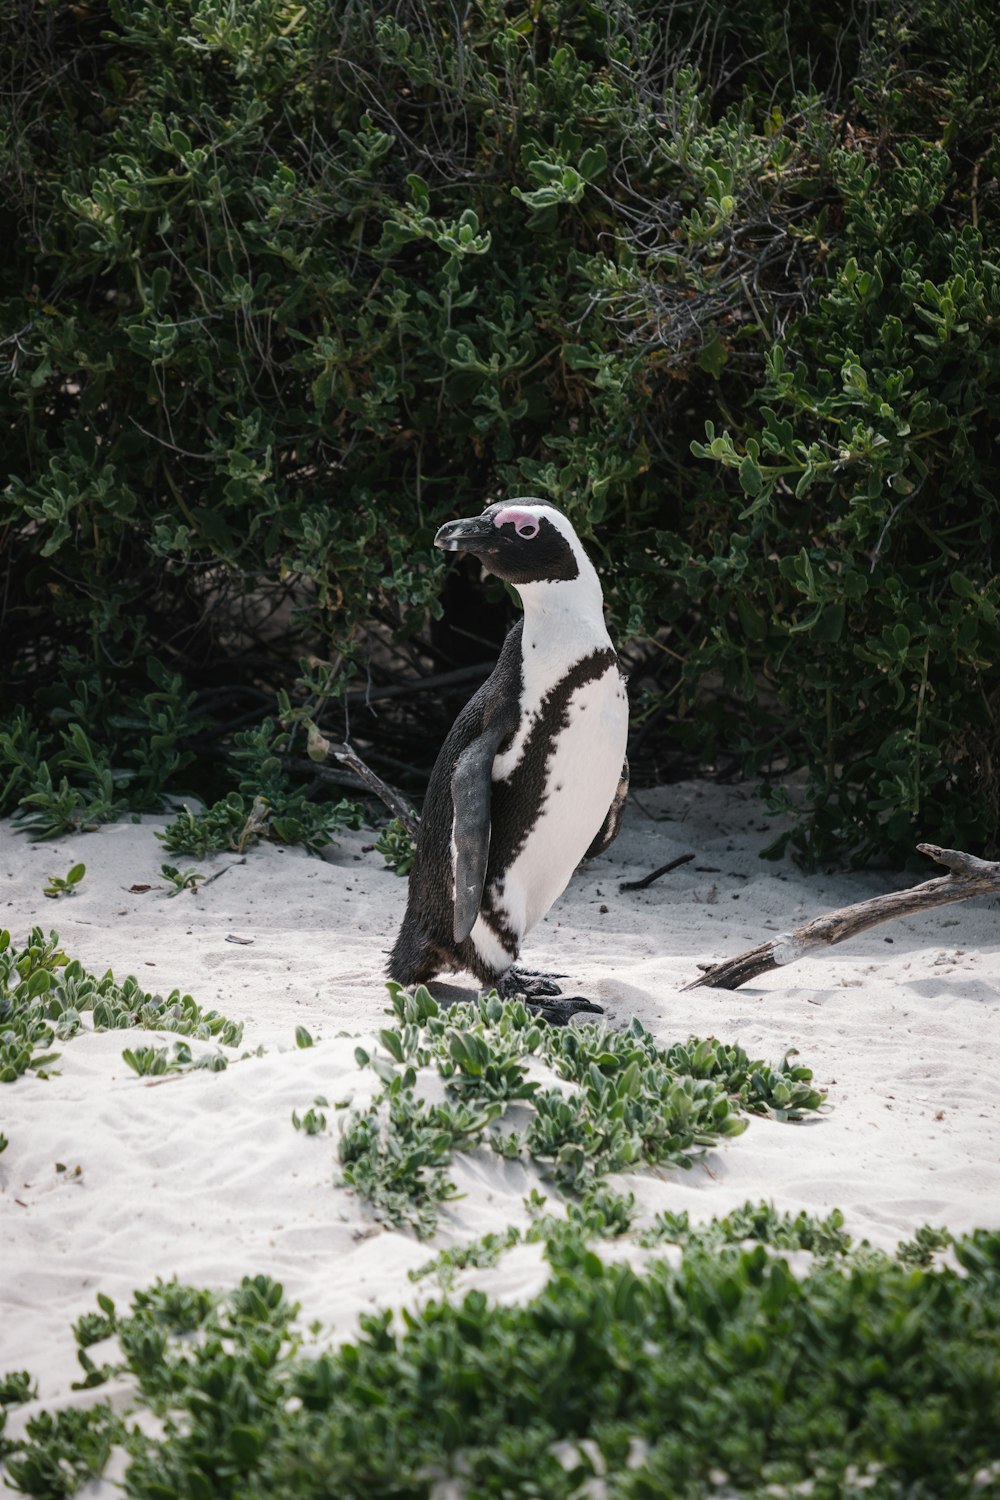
column 471, row 793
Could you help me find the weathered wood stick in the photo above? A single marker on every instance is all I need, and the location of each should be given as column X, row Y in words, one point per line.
column 969, row 877
column 394, row 802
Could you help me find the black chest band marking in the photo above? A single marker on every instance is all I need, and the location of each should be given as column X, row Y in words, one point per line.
column 517, row 800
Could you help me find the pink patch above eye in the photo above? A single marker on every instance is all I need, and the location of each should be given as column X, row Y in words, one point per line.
column 525, row 523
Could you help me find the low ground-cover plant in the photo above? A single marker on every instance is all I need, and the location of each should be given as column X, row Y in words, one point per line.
column 397, row 847
column 313, row 1120
column 44, row 993
column 64, row 885
column 724, row 1372
column 761, row 1222
column 628, row 1102
column 396, row 1154
column 181, row 880
column 100, row 750
column 926, row 1243
column 154, row 1061
column 603, row 1213
column 265, row 805
column 92, row 788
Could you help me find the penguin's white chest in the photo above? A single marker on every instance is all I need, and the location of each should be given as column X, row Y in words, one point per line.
column 582, row 766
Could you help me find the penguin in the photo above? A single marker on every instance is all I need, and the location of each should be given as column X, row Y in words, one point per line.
column 531, row 778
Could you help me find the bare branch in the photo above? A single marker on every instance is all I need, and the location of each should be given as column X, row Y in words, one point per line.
column 969, row 876
column 647, row 880
column 393, row 800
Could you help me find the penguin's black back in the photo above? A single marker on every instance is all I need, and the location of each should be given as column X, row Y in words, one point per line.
column 426, row 942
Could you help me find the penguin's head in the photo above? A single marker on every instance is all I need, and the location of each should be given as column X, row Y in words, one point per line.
column 521, row 541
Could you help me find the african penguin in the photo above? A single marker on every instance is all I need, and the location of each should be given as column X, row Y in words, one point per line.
column 532, row 776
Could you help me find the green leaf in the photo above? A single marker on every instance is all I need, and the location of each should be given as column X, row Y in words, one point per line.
column 39, row 983
column 752, row 622
column 593, row 162
column 713, row 360
column 750, row 476
column 247, row 1444
column 829, row 625
column 391, row 1042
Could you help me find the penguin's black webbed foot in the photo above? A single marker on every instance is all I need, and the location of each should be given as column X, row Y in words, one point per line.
column 529, row 982
column 543, row 996
column 559, row 1012
column 526, row 984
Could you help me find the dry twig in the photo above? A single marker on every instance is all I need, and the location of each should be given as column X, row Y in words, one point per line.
column 968, row 876
column 394, row 802
column 647, row 880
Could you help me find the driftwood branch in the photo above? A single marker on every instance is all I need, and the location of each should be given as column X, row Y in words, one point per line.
column 396, row 804
column 968, row 876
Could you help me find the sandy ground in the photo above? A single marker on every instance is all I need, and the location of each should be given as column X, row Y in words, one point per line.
column 203, row 1176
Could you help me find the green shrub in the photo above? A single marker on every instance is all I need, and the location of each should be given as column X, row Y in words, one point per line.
column 726, row 1372
column 266, row 805
column 97, row 749
column 285, row 289
column 629, row 1103
column 43, row 994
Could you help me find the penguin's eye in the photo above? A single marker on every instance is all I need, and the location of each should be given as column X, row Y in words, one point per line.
column 524, row 522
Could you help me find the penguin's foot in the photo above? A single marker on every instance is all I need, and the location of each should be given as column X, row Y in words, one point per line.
column 560, row 1011
column 528, row 982
column 543, row 996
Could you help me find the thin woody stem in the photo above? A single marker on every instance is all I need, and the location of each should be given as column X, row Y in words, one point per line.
column 969, row 876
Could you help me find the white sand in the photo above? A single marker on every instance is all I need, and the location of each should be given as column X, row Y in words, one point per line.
column 203, row 1177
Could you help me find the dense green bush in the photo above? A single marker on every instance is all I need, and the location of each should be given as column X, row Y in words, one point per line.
column 43, row 995
column 724, row 1374
column 285, row 287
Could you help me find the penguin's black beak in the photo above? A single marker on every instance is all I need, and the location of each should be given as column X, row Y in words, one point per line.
column 475, row 534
